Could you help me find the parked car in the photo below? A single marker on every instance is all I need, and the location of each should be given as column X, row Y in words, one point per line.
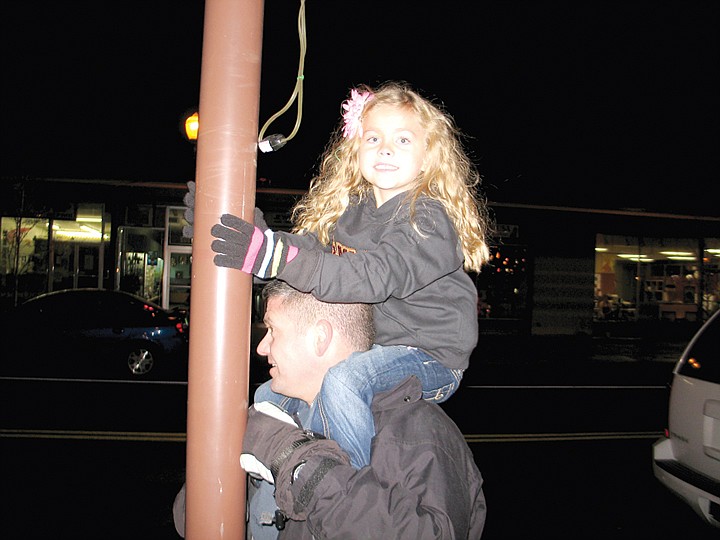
column 687, row 460
column 95, row 333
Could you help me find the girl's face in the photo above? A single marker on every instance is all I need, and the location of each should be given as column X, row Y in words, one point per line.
column 392, row 150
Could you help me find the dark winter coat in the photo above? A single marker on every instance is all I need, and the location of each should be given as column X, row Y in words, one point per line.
column 422, row 482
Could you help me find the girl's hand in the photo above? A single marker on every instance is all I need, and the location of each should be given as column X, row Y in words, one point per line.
column 243, row 246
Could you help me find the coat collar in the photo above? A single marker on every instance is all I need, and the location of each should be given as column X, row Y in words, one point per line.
column 408, row 391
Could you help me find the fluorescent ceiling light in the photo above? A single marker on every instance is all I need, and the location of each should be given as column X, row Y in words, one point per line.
column 634, row 257
column 678, row 253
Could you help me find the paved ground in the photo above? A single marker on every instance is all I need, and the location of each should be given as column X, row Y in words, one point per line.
column 105, row 489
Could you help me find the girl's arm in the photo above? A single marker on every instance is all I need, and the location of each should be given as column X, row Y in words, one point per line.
column 401, row 262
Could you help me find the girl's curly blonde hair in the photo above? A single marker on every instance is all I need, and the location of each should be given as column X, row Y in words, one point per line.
column 449, row 177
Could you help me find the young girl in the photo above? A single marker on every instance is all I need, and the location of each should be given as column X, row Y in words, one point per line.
column 392, row 219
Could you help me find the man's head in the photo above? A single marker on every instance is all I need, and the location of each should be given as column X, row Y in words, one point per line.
column 306, row 337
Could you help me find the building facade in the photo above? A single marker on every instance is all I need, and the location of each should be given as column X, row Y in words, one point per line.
column 554, row 270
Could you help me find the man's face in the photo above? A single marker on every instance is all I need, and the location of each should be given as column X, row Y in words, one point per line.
column 289, row 353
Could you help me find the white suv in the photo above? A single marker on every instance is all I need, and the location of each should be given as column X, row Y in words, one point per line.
column 687, row 461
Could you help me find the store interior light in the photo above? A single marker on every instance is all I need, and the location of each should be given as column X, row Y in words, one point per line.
column 89, row 213
column 678, row 253
column 90, row 225
column 85, row 235
column 635, row 257
column 681, row 258
column 89, row 229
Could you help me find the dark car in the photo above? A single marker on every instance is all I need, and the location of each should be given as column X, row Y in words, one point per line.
column 95, row 333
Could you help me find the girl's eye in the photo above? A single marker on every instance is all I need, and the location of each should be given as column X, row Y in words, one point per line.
column 372, row 139
column 404, row 140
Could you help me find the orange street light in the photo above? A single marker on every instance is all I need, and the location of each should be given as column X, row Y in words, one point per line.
column 191, row 125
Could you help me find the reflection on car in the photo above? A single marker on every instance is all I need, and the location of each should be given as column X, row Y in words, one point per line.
column 95, row 333
column 687, row 461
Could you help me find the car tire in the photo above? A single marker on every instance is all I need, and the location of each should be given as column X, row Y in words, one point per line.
column 141, row 358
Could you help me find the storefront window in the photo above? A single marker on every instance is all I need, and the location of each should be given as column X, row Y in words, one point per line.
column 503, row 284
column 23, row 257
column 674, row 279
column 38, row 255
column 175, row 223
column 140, row 261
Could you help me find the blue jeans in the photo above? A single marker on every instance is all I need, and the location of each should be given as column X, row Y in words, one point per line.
column 342, row 410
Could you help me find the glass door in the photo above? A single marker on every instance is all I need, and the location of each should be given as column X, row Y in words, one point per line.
column 180, row 271
column 178, row 253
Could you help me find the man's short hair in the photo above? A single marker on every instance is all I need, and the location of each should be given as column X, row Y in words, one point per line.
column 353, row 321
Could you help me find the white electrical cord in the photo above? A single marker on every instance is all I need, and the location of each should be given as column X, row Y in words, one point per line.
column 276, row 141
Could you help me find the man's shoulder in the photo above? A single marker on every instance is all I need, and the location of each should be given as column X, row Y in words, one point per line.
column 402, row 413
column 431, row 419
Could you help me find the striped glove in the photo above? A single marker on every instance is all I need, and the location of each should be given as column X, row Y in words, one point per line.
column 243, row 246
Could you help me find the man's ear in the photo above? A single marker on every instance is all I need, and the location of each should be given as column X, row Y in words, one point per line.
column 323, row 336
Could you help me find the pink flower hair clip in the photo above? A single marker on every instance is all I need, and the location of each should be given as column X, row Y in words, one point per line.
column 353, row 111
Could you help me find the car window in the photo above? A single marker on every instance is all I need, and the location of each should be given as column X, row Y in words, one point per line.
column 59, row 310
column 702, row 361
column 30, row 314
column 82, row 309
column 131, row 311
column 119, row 310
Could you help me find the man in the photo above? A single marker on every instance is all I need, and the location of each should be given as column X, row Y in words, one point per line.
column 422, row 481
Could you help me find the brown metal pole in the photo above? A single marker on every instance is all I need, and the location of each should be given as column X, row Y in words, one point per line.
column 220, row 298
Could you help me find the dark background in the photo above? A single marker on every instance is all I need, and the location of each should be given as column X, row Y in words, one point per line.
column 590, row 103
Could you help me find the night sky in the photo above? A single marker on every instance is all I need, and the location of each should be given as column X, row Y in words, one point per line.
column 597, row 104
